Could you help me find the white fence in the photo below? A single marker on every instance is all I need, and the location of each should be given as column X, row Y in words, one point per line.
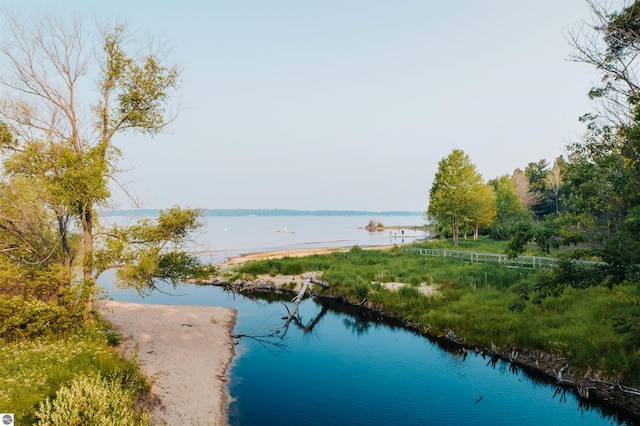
column 519, row 262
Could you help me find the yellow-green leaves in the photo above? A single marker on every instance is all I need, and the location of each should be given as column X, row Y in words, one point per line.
column 456, row 193
column 151, row 250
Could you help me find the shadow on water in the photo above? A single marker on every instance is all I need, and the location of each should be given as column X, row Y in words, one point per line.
column 302, row 333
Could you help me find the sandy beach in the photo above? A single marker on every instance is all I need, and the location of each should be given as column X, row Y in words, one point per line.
column 263, row 255
column 185, row 351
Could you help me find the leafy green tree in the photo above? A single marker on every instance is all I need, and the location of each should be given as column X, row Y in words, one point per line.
column 603, row 198
column 510, row 212
column 151, row 250
column 599, row 190
column 453, row 195
column 483, row 208
column 538, row 186
column 57, row 133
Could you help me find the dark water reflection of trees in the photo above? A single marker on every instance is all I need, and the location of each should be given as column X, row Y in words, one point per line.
column 361, row 321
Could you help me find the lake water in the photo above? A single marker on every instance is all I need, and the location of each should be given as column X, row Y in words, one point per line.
column 227, row 236
column 339, row 367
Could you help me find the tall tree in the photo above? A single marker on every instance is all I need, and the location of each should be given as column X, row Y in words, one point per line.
column 537, row 174
column 510, row 211
column 62, row 132
column 554, row 181
column 523, row 189
column 453, row 192
column 483, row 208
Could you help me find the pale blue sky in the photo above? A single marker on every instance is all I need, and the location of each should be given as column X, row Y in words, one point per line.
column 326, row 104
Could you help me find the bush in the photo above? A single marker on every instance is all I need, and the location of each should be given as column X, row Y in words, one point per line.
column 90, row 400
column 21, row 318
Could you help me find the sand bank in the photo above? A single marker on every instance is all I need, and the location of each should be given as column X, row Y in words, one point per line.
column 277, row 254
column 185, row 352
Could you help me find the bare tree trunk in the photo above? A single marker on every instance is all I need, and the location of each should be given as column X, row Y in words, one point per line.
column 86, row 215
column 300, row 295
column 455, row 230
column 65, row 274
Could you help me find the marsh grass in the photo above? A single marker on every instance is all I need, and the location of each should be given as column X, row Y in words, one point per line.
column 475, row 301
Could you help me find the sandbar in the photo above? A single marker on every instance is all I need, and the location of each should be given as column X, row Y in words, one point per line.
column 185, row 351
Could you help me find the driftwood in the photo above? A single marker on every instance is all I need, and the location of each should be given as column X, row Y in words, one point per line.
column 300, row 296
column 273, row 337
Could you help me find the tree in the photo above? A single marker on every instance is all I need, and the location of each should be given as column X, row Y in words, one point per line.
column 454, row 191
column 610, row 43
column 55, row 136
column 554, row 181
column 482, row 209
column 602, row 178
column 510, row 212
column 537, row 177
column 601, row 182
column 523, row 190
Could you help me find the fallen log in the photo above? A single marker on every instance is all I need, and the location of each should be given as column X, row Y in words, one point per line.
column 307, row 282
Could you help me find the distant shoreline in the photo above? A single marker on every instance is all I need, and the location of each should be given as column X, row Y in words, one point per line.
column 268, row 212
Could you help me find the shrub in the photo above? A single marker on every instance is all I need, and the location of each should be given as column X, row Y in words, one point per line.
column 90, row 400
column 21, row 318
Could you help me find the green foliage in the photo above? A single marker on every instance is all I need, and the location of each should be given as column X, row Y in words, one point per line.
column 33, row 369
column 31, row 282
column 20, row 318
column 285, row 266
column 559, row 310
column 626, row 317
column 90, row 400
column 28, row 230
column 510, row 212
column 456, row 195
column 151, row 251
column 57, row 170
column 539, row 191
column 483, row 244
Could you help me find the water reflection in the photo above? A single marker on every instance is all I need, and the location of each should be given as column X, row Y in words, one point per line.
column 339, row 364
column 329, row 344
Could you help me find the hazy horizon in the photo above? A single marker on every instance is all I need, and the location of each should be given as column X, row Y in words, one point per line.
column 345, row 104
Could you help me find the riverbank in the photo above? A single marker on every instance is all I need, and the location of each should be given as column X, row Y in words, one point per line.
column 590, row 384
column 185, row 351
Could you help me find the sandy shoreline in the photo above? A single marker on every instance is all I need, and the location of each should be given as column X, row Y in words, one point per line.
column 185, row 351
column 277, row 254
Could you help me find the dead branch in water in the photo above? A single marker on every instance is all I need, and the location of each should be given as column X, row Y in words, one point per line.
column 300, row 296
column 266, row 337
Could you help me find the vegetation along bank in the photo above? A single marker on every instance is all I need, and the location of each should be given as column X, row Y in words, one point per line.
column 477, row 308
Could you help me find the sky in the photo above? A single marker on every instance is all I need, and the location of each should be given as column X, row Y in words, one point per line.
column 346, row 104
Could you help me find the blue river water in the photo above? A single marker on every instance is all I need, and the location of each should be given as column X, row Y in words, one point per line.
column 338, row 366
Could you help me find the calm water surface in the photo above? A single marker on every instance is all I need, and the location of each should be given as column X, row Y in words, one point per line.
column 338, row 367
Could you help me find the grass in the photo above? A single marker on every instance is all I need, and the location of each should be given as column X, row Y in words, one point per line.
column 475, row 300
